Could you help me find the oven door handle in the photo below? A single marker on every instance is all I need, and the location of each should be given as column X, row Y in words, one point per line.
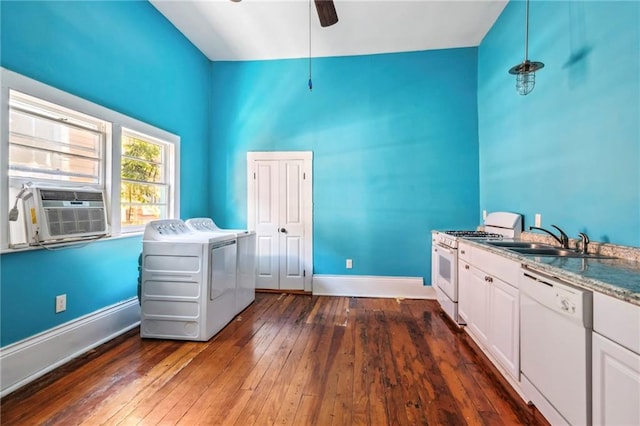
column 445, row 248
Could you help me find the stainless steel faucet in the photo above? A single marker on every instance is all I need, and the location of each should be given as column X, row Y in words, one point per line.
column 585, row 241
column 563, row 239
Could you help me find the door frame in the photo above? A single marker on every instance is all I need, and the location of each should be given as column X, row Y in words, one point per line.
column 307, row 205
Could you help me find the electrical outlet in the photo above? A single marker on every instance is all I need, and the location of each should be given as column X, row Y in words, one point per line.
column 349, row 263
column 61, row 303
column 538, row 220
column 484, row 214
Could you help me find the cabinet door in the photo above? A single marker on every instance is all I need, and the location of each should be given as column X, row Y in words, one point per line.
column 465, row 294
column 434, row 262
column 478, row 306
column 504, row 334
column 616, row 383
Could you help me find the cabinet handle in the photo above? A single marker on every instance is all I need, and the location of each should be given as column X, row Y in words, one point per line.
column 283, row 230
column 488, row 279
column 466, row 266
column 462, row 251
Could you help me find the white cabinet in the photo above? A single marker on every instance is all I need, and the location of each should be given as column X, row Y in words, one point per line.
column 474, row 302
column 488, row 301
column 504, row 315
column 616, row 383
column 434, row 262
column 616, row 362
column 465, row 290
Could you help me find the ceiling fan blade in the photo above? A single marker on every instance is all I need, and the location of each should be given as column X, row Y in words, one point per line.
column 326, row 12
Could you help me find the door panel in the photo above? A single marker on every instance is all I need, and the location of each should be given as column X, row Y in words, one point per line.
column 266, row 223
column 267, row 268
column 291, row 270
column 293, row 184
column 291, row 247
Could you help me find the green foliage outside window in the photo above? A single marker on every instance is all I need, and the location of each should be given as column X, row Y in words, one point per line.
column 141, row 163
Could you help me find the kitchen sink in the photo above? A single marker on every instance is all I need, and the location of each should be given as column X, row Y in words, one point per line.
column 555, row 251
column 518, row 244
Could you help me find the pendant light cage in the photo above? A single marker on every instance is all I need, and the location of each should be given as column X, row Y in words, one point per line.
column 526, row 71
column 526, row 76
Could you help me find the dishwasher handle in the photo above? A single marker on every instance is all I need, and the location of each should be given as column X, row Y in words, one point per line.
column 537, row 279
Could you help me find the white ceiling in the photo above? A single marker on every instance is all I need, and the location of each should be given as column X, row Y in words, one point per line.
column 270, row 29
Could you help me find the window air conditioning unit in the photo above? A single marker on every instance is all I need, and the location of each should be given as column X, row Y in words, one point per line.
column 54, row 214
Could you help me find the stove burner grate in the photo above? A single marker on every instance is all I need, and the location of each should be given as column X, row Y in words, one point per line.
column 473, row 234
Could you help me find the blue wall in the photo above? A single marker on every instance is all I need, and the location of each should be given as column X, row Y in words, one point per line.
column 571, row 149
column 395, row 149
column 127, row 57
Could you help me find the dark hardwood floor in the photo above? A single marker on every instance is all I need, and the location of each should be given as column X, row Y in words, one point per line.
column 287, row 359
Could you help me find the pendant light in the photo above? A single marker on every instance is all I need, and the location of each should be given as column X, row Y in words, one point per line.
column 526, row 71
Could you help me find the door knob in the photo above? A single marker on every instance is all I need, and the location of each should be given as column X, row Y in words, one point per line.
column 283, row 230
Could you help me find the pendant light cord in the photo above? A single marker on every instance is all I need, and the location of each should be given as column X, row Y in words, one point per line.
column 526, row 32
column 310, row 82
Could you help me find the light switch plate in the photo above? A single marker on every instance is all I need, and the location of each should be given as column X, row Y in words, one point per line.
column 538, row 220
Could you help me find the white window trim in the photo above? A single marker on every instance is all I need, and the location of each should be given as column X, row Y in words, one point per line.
column 10, row 80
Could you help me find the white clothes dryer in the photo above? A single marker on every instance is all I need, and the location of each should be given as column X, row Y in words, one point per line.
column 188, row 282
column 246, row 275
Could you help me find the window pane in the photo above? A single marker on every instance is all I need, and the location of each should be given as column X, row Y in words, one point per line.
column 35, row 163
column 140, row 193
column 136, row 214
column 142, row 171
column 144, row 190
column 141, row 149
column 41, row 133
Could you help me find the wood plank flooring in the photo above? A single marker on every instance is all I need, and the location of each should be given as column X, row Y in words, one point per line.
column 287, row 359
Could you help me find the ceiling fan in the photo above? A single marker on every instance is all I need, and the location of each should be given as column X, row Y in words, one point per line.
column 326, row 12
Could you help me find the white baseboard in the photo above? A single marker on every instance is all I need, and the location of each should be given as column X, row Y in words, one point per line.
column 372, row 286
column 28, row 359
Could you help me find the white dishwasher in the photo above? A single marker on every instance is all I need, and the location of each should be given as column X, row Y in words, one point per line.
column 556, row 320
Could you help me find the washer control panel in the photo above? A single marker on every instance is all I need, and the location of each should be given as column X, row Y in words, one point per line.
column 160, row 229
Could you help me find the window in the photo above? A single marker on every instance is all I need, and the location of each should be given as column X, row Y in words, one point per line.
column 54, row 144
column 145, row 179
column 55, row 139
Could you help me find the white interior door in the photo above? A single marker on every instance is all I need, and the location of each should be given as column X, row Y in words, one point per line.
column 266, row 219
column 280, row 211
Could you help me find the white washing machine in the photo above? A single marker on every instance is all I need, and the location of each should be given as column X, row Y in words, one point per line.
column 246, row 275
column 188, row 282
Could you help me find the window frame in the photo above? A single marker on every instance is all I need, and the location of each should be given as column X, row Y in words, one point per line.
column 13, row 81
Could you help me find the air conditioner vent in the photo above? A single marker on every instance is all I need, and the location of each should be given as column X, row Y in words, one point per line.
column 70, row 195
column 70, row 221
column 58, row 195
column 88, row 196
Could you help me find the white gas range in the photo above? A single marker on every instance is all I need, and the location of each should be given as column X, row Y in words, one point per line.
column 444, row 255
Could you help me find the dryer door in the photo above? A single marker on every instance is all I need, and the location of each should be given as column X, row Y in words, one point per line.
column 222, row 269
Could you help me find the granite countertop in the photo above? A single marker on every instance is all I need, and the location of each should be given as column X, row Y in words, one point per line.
column 619, row 277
